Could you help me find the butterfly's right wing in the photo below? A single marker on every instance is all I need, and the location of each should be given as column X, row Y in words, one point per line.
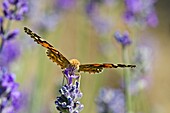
column 98, row 68
column 52, row 53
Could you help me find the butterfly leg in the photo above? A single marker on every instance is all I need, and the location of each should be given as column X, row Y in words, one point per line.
column 78, row 77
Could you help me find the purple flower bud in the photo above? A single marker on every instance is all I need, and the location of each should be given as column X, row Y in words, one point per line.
column 5, row 4
column 134, row 5
column 110, row 101
column 70, row 74
column 1, row 20
column 9, row 94
column 90, row 8
column 1, row 26
column 122, row 39
column 14, row 2
column 20, row 7
column 12, row 34
column 65, row 4
column 152, row 19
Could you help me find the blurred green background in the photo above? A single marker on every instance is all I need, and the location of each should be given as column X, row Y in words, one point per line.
column 75, row 37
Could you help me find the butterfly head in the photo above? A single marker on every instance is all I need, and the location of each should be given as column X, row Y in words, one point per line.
column 75, row 63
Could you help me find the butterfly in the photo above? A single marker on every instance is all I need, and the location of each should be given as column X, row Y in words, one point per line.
column 60, row 60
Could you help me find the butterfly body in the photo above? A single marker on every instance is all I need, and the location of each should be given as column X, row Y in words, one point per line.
column 73, row 64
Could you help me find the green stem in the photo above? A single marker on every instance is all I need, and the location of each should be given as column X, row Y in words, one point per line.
column 9, row 22
column 127, row 79
column 8, row 25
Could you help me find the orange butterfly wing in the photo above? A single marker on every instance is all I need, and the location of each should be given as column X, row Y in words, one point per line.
column 97, row 68
column 52, row 53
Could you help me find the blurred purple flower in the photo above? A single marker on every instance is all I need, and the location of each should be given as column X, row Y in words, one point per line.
column 45, row 19
column 143, row 60
column 101, row 23
column 93, row 5
column 141, row 11
column 124, row 39
column 110, row 101
column 14, row 9
column 152, row 19
column 90, row 7
column 1, row 26
column 9, row 52
column 7, row 35
column 12, row 34
column 139, row 83
column 68, row 101
column 141, row 77
column 65, row 4
column 9, row 94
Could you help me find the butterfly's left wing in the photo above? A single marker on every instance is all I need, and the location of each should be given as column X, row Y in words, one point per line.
column 97, row 68
column 52, row 53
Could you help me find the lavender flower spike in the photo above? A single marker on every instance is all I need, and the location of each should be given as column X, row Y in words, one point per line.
column 122, row 39
column 68, row 101
column 141, row 11
column 9, row 94
column 14, row 9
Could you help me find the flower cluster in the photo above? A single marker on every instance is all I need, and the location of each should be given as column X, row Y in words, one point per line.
column 110, row 101
column 124, row 39
column 68, row 101
column 10, row 97
column 14, row 9
column 70, row 93
column 9, row 94
column 45, row 18
column 141, row 11
column 102, row 24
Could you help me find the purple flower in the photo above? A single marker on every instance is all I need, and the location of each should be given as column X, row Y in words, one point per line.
column 110, row 101
column 141, row 11
column 152, row 19
column 9, row 94
column 139, row 83
column 68, row 101
column 90, row 7
column 70, row 74
column 123, row 39
column 12, row 34
column 101, row 24
column 45, row 19
column 1, row 26
column 9, row 53
column 41, row 23
column 65, row 4
column 14, row 9
column 8, row 35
